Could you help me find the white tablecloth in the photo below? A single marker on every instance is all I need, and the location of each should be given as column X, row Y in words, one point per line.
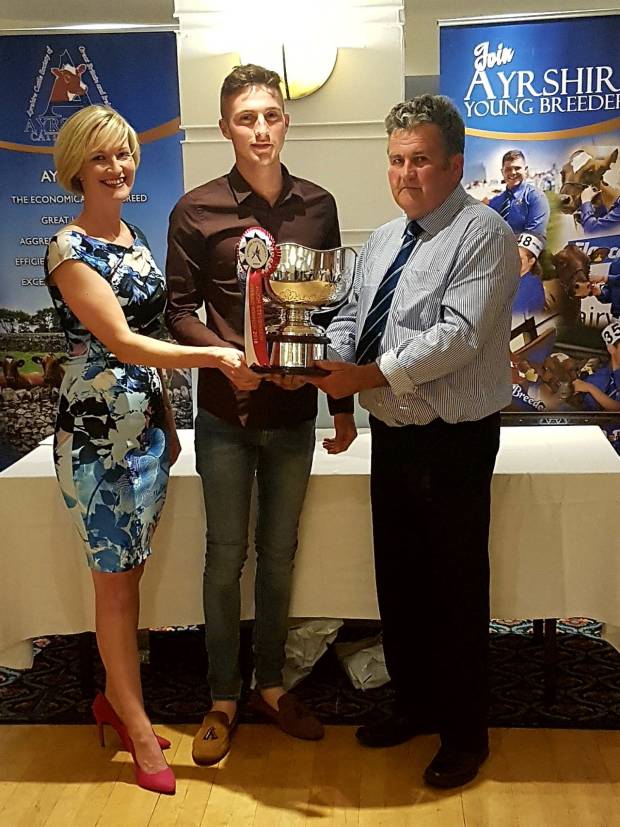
column 553, row 541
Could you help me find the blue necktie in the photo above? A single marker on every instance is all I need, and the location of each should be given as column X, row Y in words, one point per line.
column 367, row 348
column 505, row 208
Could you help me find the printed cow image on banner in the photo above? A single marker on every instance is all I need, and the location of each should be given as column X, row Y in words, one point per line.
column 542, row 119
column 45, row 80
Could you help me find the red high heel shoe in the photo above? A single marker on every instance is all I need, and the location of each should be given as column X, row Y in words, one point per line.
column 104, row 713
column 162, row 781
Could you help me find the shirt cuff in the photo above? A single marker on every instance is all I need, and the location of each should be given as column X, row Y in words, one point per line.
column 333, row 355
column 398, row 378
column 344, row 405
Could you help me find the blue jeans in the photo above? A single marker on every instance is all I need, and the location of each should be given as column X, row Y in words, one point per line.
column 228, row 459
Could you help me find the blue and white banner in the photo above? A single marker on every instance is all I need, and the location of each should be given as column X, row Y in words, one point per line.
column 541, row 105
column 45, row 79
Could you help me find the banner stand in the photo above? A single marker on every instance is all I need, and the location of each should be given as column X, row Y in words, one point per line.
column 542, row 118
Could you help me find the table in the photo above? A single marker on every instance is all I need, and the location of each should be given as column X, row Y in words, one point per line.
column 553, row 541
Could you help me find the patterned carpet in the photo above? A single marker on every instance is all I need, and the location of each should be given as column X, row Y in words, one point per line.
column 588, row 694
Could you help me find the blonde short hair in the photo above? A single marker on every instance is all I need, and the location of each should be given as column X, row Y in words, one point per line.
column 90, row 129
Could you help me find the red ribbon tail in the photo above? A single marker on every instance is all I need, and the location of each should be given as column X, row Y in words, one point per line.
column 256, row 316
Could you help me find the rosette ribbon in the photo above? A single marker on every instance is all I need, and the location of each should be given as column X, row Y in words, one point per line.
column 257, row 258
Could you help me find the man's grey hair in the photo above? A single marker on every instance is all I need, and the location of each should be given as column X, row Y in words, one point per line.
column 435, row 109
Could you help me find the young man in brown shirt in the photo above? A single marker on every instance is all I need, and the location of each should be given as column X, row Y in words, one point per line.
column 249, row 429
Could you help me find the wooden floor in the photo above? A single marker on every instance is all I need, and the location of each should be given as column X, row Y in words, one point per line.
column 59, row 777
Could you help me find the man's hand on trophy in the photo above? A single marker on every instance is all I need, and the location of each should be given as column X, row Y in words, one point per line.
column 345, row 379
column 233, row 365
column 346, row 433
column 289, row 382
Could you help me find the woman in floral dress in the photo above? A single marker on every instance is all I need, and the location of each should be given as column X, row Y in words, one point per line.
column 115, row 436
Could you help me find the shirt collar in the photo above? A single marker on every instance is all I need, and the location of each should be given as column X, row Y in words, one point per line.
column 441, row 216
column 242, row 190
column 516, row 190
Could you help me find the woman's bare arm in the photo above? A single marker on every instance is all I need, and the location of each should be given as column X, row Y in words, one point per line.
column 92, row 300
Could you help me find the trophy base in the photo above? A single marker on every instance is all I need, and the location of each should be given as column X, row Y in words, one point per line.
column 290, row 371
column 295, row 355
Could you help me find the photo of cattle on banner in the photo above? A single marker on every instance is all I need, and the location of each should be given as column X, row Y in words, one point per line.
column 32, row 355
column 565, row 338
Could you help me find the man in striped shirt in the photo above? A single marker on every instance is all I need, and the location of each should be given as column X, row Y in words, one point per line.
column 425, row 342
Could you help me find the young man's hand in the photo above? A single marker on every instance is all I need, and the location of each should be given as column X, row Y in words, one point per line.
column 346, row 433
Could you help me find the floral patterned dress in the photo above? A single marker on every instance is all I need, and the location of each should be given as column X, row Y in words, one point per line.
column 110, row 445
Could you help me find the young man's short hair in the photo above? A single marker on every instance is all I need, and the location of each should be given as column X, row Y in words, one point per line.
column 248, row 75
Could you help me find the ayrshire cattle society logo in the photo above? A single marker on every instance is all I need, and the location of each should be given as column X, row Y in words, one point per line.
column 61, row 87
column 498, row 89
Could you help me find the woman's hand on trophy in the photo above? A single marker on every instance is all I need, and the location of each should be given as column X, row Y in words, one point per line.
column 233, row 365
column 346, row 433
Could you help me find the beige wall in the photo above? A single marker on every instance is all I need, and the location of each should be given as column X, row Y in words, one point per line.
column 422, row 38
column 44, row 13
column 336, row 137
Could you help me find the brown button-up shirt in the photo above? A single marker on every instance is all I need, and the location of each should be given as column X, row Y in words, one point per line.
column 201, row 269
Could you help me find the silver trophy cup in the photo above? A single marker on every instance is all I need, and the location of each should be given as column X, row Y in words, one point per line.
column 305, row 281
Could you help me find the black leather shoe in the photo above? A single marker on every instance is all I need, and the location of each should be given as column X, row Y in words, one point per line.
column 392, row 731
column 453, row 767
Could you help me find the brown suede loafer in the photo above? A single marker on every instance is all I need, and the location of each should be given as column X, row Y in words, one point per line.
column 292, row 716
column 212, row 741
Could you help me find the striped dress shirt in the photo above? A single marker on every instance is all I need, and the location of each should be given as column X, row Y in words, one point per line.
column 445, row 350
